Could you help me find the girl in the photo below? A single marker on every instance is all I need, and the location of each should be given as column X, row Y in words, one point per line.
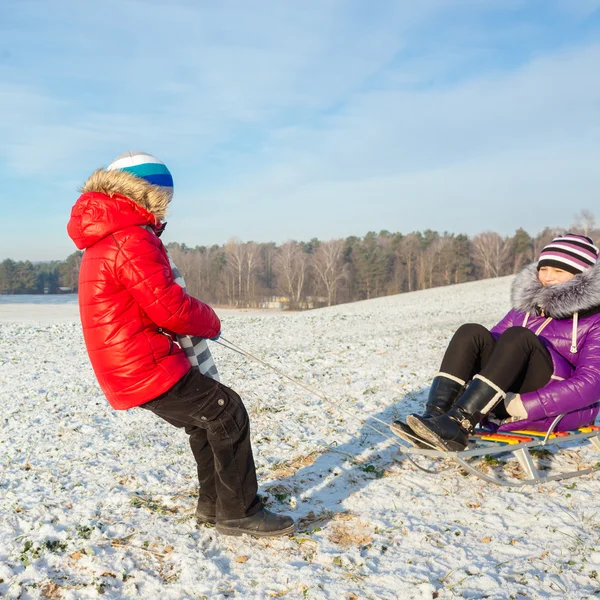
column 540, row 361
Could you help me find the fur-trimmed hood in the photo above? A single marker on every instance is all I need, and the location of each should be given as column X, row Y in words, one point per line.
column 153, row 198
column 580, row 294
column 112, row 201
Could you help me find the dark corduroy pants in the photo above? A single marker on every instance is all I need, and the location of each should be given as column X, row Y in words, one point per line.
column 216, row 420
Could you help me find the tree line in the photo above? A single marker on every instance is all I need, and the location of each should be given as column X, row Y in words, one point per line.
column 300, row 275
column 25, row 277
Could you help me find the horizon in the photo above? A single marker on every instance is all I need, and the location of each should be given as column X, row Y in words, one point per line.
column 301, row 122
column 307, row 241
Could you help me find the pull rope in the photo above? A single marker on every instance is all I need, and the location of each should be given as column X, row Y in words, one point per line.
column 235, row 348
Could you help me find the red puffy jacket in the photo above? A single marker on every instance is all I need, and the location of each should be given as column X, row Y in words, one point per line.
column 127, row 295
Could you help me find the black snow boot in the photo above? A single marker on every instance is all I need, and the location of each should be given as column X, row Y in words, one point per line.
column 450, row 432
column 444, row 391
column 264, row 523
column 402, row 430
column 206, row 513
column 442, row 395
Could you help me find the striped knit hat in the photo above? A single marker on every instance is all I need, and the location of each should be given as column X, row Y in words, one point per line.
column 143, row 165
column 570, row 252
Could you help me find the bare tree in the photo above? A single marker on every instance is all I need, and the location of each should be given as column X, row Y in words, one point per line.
column 252, row 258
column 544, row 238
column 290, row 265
column 208, row 275
column 491, row 253
column 425, row 263
column 396, row 283
column 585, row 221
column 187, row 263
column 328, row 263
column 429, row 262
column 235, row 253
column 442, row 249
column 268, row 252
column 407, row 251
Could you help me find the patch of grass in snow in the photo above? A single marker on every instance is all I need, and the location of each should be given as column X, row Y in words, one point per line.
column 379, row 473
column 283, row 494
column 347, row 535
column 54, row 546
column 540, row 452
column 286, row 468
column 492, row 461
column 311, row 523
column 140, row 501
column 83, row 531
column 51, row 590
column 33, row 551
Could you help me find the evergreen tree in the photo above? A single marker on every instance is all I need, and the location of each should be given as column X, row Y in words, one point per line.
column 8, row 277
column 370, row 266
column 462, row 266
column 26, row 278
column 69, row 271
column 522, row 248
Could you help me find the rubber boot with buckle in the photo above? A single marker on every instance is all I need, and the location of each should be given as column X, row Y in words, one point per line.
column 444, row 391
column 450, row 432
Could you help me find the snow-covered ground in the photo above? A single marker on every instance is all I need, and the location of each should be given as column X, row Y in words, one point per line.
column 61, row 308
column 98, row 503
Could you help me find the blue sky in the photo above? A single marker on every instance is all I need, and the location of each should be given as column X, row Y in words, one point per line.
column 291, row 120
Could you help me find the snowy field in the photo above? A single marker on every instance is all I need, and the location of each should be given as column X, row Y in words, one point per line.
column 99, row 504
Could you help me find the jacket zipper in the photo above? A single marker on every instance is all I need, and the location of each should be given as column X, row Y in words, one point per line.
column 162, row 332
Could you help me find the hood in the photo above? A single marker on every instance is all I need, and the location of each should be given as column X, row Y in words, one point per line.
column 114, row 200
column 581, row 294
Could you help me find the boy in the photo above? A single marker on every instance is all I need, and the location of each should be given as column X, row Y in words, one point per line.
column 131, row 310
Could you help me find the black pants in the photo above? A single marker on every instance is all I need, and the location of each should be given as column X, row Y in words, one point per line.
column 516, row 362
column 216, row 420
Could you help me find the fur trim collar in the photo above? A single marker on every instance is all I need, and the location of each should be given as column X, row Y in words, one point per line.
column 153, row 198
column 580, row 294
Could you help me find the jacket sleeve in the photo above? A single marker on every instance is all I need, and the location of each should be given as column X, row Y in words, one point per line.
column 143, row 268
column 504, row 324
column 579, row 391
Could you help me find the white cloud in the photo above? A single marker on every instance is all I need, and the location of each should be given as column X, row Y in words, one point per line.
column 504, row 191
column 180, row 76
column 286, row 121
column 482, row 154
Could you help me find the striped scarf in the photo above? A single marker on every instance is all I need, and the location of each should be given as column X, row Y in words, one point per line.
column 195, row 348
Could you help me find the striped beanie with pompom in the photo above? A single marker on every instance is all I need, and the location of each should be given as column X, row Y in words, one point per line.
column 570, row 252
column 145, row 166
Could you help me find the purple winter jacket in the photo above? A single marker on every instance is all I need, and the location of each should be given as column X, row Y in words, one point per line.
column 566, row 318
